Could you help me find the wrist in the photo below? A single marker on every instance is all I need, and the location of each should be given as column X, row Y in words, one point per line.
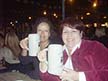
column 44, row 62
column 43, row 67
column 24, row 52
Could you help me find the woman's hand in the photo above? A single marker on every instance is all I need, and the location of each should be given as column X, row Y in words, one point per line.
column 43, row 66
column 69, row 74
column 23, row 44
column 42, row 56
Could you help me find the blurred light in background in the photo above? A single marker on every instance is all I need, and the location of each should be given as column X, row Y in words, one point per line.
column 44, row 13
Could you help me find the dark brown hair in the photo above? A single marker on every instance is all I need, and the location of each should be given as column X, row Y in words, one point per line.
column 46, row 20
column 73, row 23
column 40, row 20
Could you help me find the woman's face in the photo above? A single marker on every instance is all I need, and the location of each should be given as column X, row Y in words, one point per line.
column 71, row 37
column 43, row 30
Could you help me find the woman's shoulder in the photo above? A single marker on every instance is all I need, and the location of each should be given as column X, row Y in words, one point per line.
column 92, row 44
column 7, row 49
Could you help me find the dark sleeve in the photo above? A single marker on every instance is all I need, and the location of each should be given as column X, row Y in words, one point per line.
column 28, row 64
column 25, row 59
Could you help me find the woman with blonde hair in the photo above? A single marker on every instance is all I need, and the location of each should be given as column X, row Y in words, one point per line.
column 12, row 51
column 12, row 42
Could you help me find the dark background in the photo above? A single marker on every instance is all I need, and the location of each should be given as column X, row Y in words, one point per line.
column 12, row 10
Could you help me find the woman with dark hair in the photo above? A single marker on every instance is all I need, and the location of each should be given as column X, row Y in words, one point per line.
column 44, row 28
column 83, row 60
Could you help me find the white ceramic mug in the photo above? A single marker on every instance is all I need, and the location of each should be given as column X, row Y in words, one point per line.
column 55, row 59
column 34, row 40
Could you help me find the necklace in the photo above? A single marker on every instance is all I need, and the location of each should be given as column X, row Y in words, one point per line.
column 44, row 45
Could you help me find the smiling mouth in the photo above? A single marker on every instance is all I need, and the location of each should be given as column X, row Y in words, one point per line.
column 69, row 40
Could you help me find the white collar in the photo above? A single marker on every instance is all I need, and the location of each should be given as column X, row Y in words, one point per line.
column 74, row 48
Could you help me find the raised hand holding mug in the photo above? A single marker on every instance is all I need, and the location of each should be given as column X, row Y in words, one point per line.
column 55, row 59
column 33, row 44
